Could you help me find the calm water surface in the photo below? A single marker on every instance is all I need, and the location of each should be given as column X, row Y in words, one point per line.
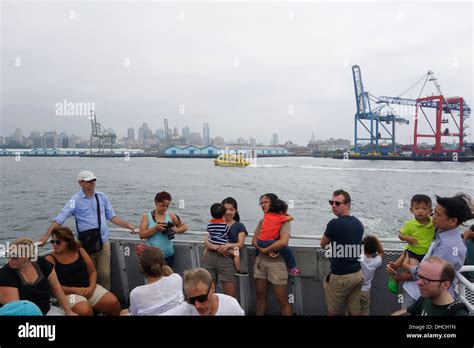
column 34, row 190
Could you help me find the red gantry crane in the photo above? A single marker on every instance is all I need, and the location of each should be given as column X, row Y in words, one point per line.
column 443, row 129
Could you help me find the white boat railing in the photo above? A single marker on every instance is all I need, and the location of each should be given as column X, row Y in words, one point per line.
column 293, row 236
column 464, row 284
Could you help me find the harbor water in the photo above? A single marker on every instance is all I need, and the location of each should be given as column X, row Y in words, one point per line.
column 34, row 190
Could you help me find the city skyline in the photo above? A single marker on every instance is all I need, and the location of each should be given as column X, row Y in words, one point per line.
column 142, row 134
column 270, row 68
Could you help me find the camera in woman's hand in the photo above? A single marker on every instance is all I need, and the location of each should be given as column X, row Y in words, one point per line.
column 168, row 231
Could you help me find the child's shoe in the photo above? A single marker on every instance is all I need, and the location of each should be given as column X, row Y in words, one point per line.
column 295, row 271
column 139, row 248
column 393, row 285
column 241, row 273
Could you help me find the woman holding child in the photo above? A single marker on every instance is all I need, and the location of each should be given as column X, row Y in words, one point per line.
column 270, row 267
column 218, row 263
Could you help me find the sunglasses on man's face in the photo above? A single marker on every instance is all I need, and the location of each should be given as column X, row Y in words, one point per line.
column 199, row 298
column 331, row 203
column 55, row 241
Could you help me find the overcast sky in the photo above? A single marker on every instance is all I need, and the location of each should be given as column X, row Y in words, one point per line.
column 248, row 69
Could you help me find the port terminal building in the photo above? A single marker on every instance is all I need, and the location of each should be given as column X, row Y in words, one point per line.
column 214, row 151
column 65, row 152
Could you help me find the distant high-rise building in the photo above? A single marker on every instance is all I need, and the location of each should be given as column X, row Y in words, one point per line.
column 252, row 141
column 145, row 134
column 38, row 142
column 206, row 134
column 185, row 131
column 68, row 142
column 131, row 134
column 52, row 140
column 176, row 131
column 275, row 139
column 18, row 135
column 141, row 132
column 312, row 143
column 160, row 134
column 218, row 141
column 195, row 138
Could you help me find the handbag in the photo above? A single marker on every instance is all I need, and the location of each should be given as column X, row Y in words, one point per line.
column 91, row 240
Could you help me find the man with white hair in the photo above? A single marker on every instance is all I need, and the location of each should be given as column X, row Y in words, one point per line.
column 201, row 298
column 91, row 210
column 435, row 276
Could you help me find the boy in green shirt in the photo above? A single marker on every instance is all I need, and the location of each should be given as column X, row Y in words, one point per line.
column 418, row 232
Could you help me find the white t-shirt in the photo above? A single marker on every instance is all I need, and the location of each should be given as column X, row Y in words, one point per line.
column 227, row 306
column 158, row 297
column 369, row 265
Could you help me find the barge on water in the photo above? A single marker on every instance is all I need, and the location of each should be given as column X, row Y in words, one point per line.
column 408, row 158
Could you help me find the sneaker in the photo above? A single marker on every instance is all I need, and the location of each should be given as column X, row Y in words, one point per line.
column 393, row 285
column 295, row 271
column 241, row 273
column 139, row 248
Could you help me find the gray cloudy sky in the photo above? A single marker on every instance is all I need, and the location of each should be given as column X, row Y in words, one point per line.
column 242, row 67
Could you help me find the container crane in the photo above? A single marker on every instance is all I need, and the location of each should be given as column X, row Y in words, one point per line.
column 456, row 107
column 102, row 136
column 373, row 121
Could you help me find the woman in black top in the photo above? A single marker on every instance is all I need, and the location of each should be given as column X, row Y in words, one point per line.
column 78, row 276
column 218, row 263
column 29, row 277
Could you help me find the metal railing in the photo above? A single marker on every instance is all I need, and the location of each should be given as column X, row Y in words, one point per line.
column 314, row 266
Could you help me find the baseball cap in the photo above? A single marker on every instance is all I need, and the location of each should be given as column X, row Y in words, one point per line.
column 86, row 176
column 21, row 307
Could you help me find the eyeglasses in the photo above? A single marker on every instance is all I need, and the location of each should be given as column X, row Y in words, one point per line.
column 331, row 203
column 91, row 181
column 200, row 298
column 425, row 280
column 56, row 241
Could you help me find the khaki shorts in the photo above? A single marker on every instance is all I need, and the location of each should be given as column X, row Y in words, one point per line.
column 343, row 289
column 221, row 267
column 364, row 302
column 74, row 299
column 272, row 269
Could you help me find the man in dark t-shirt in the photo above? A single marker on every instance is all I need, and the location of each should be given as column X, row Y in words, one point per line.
column 344, row 237
column 435, row 276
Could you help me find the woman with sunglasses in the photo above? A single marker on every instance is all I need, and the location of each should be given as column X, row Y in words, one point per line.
column 159, row 226
column 163, row 289
column 78, row 276
column 270, row 267
column 201, row 298
column 218, row 263
column 30, row 277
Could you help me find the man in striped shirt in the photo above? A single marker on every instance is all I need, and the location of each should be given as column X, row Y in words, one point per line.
column 218, row 234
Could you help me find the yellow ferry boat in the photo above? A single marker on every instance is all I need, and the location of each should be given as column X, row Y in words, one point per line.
column 231, row 160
